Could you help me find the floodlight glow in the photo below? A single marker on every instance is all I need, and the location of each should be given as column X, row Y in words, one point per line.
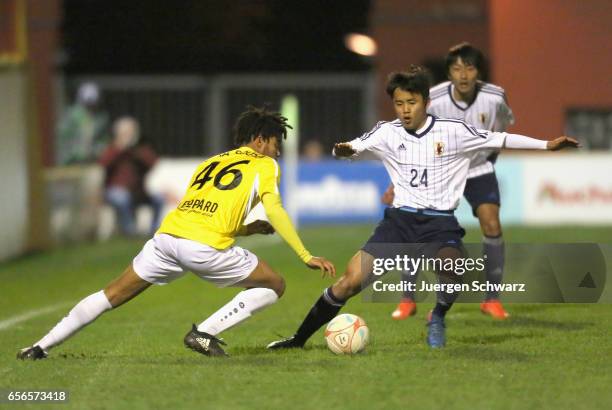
column 361, row 44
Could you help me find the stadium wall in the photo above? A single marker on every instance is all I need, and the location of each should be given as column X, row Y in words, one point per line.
column 551, row 56
column 418, row 32
column 538, row 189
column 13, row 163
column 567, row 189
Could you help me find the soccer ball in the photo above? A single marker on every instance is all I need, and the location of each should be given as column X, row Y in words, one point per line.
column 347, row 334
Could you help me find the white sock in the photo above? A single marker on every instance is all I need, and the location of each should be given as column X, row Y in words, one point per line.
column 85, row 312
column 238, row 310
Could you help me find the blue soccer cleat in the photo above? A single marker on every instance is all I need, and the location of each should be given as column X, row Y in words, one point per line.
column 436, row 334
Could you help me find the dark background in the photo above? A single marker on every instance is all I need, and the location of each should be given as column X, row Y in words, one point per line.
column 157, row 36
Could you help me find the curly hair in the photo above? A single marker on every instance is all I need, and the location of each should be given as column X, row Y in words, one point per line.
column 259, row 121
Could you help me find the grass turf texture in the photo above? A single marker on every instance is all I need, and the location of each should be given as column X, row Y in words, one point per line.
column 546, row 356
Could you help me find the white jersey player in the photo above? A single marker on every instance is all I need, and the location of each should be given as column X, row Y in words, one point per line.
column 483, row 106
column 428, row 160
column 429, row 166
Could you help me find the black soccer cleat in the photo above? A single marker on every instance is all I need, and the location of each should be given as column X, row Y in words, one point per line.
column 286, row 343
column 31, row 353
column 204, row 343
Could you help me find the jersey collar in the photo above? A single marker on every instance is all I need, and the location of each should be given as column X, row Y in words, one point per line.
column 429, row 122
column 463, row 108
column 244, row 147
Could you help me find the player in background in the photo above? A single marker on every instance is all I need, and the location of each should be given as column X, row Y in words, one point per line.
column 483, row 106
column 427, row 159
column 198, row 236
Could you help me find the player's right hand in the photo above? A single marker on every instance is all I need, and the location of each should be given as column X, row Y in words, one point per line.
column 259, row 226
column 326, row 267
column 344, row 149
column 388, row 196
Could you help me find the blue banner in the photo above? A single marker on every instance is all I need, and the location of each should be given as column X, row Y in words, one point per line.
column 333, row 191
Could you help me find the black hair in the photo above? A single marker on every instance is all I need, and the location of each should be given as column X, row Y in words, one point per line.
column 469, row 54
column 262, row 122
column 415, row 80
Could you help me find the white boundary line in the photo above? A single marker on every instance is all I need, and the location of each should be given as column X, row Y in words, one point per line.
column 30, row 314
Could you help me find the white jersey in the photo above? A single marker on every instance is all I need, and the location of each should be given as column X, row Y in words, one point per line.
column 429, row 167
column 489, row 111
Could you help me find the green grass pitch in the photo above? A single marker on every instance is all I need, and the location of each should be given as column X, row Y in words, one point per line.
column 546, row 356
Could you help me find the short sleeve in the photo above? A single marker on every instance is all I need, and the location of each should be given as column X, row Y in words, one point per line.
column 269, row 177
column 476, row 139
column 504, row 116
column 370, row 141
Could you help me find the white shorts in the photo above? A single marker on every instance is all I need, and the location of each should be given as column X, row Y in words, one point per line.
column 165, row 258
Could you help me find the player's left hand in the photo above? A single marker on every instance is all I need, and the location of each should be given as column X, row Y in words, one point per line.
column 562, row 142
column 259, row 226
column 317, row 262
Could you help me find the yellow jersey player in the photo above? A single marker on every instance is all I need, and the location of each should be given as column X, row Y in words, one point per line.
column 198, row 236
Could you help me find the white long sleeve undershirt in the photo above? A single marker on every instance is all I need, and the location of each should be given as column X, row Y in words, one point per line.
column 516, row 141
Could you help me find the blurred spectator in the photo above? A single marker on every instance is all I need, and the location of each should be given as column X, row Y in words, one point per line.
column 313, row 151
column 126, row 164
column 83, row 130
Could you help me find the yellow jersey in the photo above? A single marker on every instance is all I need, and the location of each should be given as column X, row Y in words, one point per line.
column 221, row 193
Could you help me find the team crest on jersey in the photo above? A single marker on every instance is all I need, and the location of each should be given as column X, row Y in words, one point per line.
column 483, row 118
column 439, row 148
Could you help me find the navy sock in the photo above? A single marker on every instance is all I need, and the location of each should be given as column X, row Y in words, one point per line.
column 445, row 300
column 324, row 310
column 408, row 278
column 440, row 309
column 494, row 265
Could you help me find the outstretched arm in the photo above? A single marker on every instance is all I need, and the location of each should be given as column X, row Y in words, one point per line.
column 474, row 139
column 370, row 141
column 515, row 141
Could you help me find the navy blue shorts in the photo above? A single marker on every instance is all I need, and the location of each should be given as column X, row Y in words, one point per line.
column 482, row 189
column 402, row 227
